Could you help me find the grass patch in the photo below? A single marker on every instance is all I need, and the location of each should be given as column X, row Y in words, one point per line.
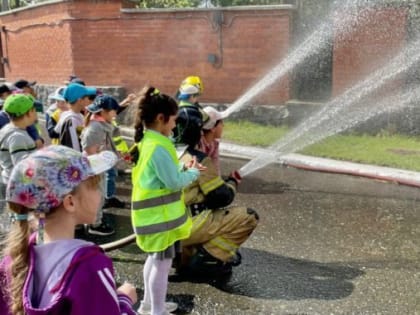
column 394, row 151
column 398, row 151
column 248, row 133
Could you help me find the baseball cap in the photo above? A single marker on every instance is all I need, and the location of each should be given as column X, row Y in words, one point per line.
column 102, row 102
column 4, row 88
column 20, row 84
column 58, row 94
column 18, row 104
column 42, row 180
column 75, row 91
column 213, row 117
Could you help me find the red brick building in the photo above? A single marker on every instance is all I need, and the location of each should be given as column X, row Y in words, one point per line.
column 108, row 43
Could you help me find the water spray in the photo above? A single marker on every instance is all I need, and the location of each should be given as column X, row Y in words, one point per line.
column 309, row 47
column 307, row 133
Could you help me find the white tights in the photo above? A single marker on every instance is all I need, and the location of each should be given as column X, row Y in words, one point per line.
column 155, row 275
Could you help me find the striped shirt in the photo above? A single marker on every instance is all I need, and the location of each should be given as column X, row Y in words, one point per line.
column 15, row 145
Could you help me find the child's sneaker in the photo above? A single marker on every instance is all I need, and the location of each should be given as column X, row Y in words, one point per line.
column 102, row 229
column 145, row 309
column 113, row 202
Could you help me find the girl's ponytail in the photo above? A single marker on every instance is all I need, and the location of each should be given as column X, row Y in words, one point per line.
column 17, row 247
column 87, row 118
column 147, row 94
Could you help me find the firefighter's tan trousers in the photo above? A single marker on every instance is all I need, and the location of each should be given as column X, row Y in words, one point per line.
column 220, row 232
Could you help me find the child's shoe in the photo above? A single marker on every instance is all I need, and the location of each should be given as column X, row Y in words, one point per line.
column 113, row 202
column 145, row 309
column 102, row 229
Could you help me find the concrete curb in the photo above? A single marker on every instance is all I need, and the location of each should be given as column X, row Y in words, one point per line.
column 404, row 177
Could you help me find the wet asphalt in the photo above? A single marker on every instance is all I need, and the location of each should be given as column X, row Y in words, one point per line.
column 326, row 244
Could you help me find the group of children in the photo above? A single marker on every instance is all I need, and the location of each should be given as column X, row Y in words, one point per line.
column 83, row 119
column 65, row 120
column 58, row 187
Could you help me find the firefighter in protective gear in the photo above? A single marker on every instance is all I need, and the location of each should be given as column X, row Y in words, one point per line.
column 191, row 80
column 190, row 116
column 194, row 80
column 218, row 230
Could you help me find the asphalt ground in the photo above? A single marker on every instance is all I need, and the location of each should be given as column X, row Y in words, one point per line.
column 326, row 244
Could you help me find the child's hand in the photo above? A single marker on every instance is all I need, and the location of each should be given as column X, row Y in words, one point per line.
column 128, row 100
column 129, row 290
column 193, row 163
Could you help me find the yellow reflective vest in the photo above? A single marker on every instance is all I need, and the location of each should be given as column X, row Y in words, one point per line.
column 119, row 142
column 159, row 216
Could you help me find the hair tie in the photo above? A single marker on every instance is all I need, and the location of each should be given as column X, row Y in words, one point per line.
column 155, row 92
column 18, row 217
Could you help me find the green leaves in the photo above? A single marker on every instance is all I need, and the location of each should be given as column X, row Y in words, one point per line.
column 148, row 4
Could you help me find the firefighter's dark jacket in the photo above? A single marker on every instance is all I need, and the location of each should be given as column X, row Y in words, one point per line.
column 209, row 191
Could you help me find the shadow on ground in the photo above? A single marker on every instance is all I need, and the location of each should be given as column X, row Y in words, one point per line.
column 262, row 274
column 268, row 276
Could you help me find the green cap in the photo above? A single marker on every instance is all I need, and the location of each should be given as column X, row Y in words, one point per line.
column 18, row 104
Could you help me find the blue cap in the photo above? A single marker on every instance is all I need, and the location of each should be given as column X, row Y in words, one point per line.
column 74, row 92
column 58, row 94
column 102, row 102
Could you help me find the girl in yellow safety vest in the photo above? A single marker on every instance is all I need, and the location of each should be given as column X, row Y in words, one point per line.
column 159, row 216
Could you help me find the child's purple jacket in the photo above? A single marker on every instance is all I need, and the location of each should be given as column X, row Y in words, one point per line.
column 86, row 287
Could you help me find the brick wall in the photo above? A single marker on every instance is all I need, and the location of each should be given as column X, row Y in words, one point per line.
column 130, row 48
column 36, row 47
column 379, row 36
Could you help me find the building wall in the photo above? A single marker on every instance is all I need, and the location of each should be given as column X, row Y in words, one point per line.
column 380, row 35
column 108, row 43
column 108, row 46
column 37, row 44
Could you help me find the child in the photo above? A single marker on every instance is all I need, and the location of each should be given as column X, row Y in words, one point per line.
column 15, row 142
column 96, row 137
column 159, row 216
column 70, row 123
column 26, row 87
column 5, row 91
column 52, row 116
column 50, row 272
column 212, row 133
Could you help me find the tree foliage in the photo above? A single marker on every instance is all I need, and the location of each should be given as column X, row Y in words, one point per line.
column 147, row 4
column 225, row 3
